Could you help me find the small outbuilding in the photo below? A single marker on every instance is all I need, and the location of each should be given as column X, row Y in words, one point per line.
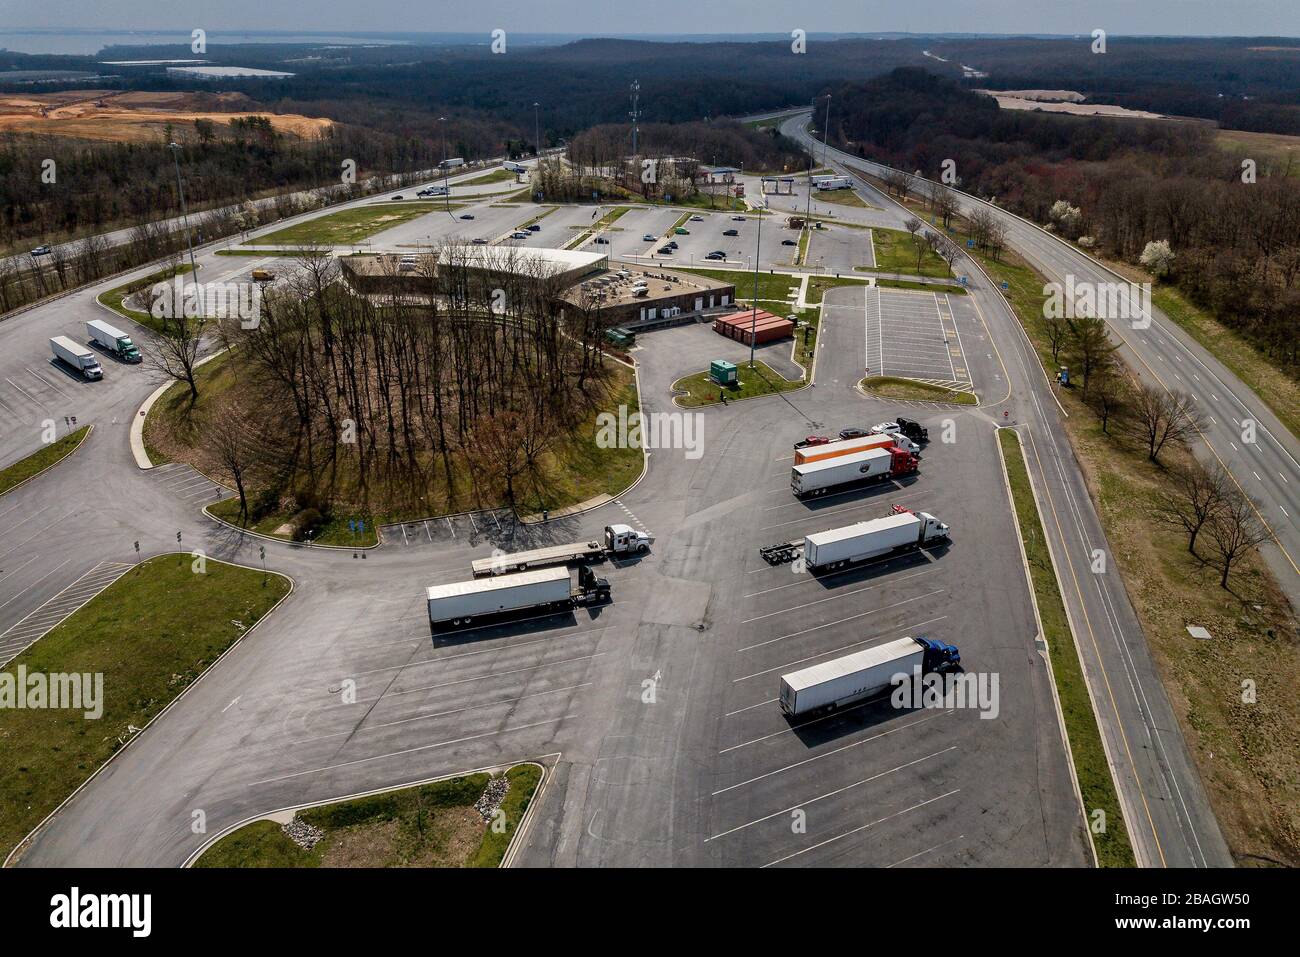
column 761, row 327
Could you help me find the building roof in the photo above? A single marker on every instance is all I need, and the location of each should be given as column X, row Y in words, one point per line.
column 747, row 318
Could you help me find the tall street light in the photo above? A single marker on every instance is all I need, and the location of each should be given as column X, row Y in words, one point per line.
column 446, row 190
column 826, row 131
column 758, row 245
column 537, row 131
column 185, row 216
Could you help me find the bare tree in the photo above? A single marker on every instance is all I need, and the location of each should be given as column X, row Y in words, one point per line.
column 1195, row 495
column 1234, row 531
column 229, row 442
column 1109, row 394
column 1057, row 331
column 1160, row 418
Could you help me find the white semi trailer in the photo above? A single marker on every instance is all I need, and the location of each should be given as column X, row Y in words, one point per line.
column 484, row 600
column 840, row 547
column 863, row 674
column 77, row 357
column 823, row 475
column 113, row 339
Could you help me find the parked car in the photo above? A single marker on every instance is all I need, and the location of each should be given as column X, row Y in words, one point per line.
column 672, row 244
column 812, row 440
column 601, row 241
column 716, row 254
column 682, row 232
column 520, row 235
column 533, row 227
column 665, row 250
column 731, row 232
column 41, row 251
column 480, row 241
column 739, row 219
column 398, row 196
column 854, row 433
column 697, row 219
column 788, row 242
column 647, row 238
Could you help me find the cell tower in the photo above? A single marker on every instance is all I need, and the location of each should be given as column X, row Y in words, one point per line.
column 635, row 112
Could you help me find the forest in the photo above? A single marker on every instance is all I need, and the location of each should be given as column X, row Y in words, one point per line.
column 1114, row 186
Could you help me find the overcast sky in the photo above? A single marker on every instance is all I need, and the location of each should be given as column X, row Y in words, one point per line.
column 1180, row 17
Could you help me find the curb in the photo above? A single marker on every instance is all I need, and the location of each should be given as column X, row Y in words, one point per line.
column 142, row 459
column 22, row 846
column 90, row 428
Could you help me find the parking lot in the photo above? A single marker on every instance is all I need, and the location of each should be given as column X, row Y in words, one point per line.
column 838, row 249
column 915, row 335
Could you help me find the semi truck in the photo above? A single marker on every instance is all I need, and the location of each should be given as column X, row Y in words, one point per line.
column 485, row 600
column 831, row 450
column 449, row 163
column 79, row 358
column 854, row 468
column 840, row 547
column 113, row 339
column 619, row 540
column 863, row 674
column 834, row 182
column 513, row 167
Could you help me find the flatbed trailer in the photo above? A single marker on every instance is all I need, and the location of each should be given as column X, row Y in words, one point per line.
column 538, row 558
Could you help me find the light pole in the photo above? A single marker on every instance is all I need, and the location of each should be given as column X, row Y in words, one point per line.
column 185, row 216
column 446, row 190
column 758, row 245
column 537, row 131
column 826, row 130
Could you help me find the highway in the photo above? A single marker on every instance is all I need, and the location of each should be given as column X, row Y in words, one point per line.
column 1165, row 805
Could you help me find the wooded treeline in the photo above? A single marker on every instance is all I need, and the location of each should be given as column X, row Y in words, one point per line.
column 1116, row 186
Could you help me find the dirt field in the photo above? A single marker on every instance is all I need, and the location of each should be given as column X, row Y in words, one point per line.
column 133, row 117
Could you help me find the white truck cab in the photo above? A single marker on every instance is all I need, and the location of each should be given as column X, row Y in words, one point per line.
column 626, row 540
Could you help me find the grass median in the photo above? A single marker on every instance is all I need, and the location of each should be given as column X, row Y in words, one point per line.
column 150, row 635
column 1091, row 767
column 116, row 298
column 430, row 825
column 348, row 226
column 39, row 461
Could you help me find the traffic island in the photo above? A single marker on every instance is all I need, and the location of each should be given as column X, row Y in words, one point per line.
column 892, row 387
column 133, row 650
column 466, row 821
column 702, row 389
column 24, row 470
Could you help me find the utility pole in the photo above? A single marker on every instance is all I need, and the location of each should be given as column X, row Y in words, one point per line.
column 446, row 194
column 185, row 216
column 635, row 112
column 826, row 131
column 758, row 245
column 537, row 131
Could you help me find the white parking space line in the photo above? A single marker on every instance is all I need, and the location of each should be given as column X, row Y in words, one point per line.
column 829, row 794
column 856, row 830
column 823, row 654
column 839, row 621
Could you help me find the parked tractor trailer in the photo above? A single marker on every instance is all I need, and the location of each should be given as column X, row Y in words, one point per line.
column 487, row 600
column 79, row 358
column 863, row 674
column 619, row 540
column 840, row 547
column 855, row 468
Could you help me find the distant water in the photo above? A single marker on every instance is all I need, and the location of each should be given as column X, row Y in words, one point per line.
column 90, row 43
